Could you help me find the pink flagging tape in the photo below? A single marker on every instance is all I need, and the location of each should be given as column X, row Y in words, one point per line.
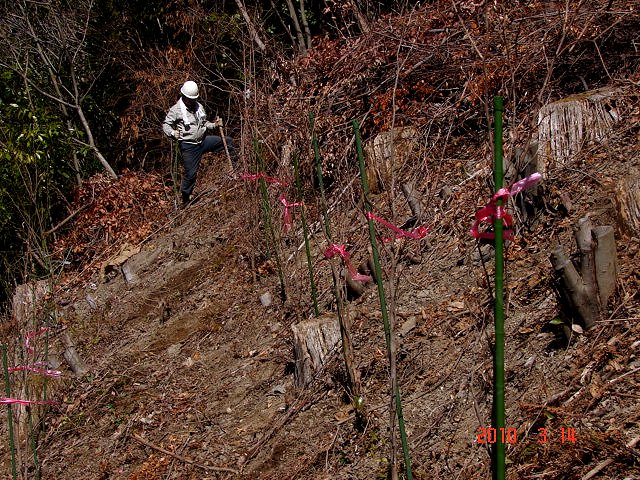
column 37, row 368
column 9, row 401
column 416, row 234
column 287, row 212
column 31, row 335
column 267, row 178
column 342, row 251
column 492, row 212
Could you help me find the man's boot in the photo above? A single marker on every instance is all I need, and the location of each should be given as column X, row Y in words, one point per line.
column 185, row 199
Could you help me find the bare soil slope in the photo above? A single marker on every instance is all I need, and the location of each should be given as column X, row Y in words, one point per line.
column 191, row 376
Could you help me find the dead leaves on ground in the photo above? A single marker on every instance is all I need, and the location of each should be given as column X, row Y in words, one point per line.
column 113, row 212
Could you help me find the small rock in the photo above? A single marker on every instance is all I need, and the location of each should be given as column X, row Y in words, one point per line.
column 278, row 390
column 407, row 326
column 188, row 362
column 529, row 363
column 92, row 302
column 174, row 349
column 265, row 299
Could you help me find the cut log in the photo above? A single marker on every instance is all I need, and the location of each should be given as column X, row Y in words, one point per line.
column 573, row 288
column 313, row 341
column 27, row 298
column 413, row 200
column 627, row 198
column 586, row 293
column 566, row 126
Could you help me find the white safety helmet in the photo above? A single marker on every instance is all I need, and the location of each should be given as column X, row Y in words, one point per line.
column 190, row 89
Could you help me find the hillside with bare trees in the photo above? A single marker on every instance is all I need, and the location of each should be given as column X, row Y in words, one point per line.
column 324, row 309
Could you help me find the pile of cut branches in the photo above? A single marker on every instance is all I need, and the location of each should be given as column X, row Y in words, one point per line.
column 111, row 213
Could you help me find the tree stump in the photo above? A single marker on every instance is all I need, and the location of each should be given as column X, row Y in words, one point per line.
column 565, row 126
column 313, row 341
column 585, row 290
column 627, row 198
column 26, row 310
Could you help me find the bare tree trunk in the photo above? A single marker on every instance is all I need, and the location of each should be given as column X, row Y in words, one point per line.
column 58, row 90
column 252, row 28
column 56, row 77
column 296, row 25
column 363, row 23
column 305, row 23
column 345, row 333
column 282, row 22
column 87, row 128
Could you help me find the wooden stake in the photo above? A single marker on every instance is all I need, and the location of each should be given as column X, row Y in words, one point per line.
column 226, row 147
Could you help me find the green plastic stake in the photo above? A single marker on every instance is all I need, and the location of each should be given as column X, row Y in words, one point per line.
column 305, row 230
column 316, row 154
column 7, row 391
column 270, row 233
column 382, row 298
column 498, row 398
column 345, row 324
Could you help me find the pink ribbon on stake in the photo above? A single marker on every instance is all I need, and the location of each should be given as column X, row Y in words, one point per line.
column 416, row 234
column 7, row 401
column 492, row 211
column 268, row 179
column 38, row 368
column 287, row 213
column 342, row 251
column 31, row 335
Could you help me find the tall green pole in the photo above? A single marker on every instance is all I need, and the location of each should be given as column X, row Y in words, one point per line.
column 383, row 303
column 305, row 231
column 498, row 370
column 7, row 391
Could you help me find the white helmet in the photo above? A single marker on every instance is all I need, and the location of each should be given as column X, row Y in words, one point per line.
column 190, row 89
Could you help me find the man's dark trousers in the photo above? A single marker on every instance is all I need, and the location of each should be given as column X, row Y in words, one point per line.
column 191, row 155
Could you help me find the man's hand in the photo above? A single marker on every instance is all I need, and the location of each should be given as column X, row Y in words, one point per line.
column 177, row 133
column 215, row 124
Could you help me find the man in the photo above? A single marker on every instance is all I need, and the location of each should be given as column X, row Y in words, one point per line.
column 187, row 123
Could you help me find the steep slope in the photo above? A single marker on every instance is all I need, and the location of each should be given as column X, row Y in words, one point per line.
column 189, row 360
column 191, row 375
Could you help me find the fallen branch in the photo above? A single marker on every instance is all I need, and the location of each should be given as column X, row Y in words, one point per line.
column 181, row 458
column 605, row 463
column 66, row 220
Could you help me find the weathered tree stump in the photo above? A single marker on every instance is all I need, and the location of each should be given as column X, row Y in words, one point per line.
column 587, row 289
column 26, row 306
column 627, row 198
column 566, row 126
column 313, row 341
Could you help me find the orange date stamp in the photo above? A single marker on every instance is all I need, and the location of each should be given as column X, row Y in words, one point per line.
column 509, row 435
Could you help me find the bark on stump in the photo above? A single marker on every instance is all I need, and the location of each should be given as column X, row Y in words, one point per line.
column 586, row 289
column 565, row 126
column 26, row 310
column 627, row 198
column 313, row 340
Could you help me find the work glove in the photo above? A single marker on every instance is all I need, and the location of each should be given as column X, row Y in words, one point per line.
column 178, row 132
column 216, row 123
